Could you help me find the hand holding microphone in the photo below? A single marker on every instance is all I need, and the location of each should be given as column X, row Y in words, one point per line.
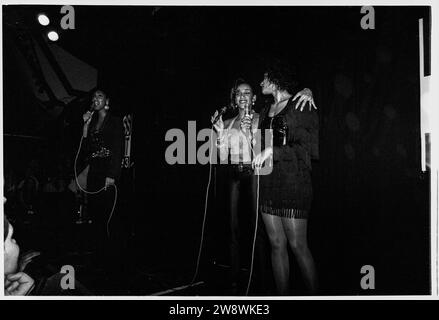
column 217, row 119
column 87, row 119
column 88, row 115
column 218, row 114
column 246, row 121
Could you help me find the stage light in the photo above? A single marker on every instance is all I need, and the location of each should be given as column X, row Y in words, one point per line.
column 53, row 36
column 43, row 19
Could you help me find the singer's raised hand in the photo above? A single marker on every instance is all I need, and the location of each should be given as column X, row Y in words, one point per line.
column 87, row 117
column 219, row 124
column 246, row 123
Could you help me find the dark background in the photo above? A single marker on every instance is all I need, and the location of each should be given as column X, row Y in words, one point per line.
column 169, row 65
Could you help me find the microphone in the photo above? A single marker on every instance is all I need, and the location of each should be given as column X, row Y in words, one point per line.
column 92, row 111
column 220, row 113
column 247, row 110
column 247, row 114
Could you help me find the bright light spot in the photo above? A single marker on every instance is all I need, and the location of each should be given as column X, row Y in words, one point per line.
column 53, row 35
column 43, row 19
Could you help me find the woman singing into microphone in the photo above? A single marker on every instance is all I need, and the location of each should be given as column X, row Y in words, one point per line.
column 234, row 142
column 234, row 147
column 102, row 150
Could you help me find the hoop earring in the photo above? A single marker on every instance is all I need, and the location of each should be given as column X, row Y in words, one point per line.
column 107, row 107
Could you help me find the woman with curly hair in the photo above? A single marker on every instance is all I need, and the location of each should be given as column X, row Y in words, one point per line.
column 286, row 193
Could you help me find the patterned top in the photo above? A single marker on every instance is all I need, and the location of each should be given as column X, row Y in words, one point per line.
column 287, row 190
column 103, row 148
column 97, row 148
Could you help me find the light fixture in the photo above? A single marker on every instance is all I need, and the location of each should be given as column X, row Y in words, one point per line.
column 53, row 36
column 43, row 19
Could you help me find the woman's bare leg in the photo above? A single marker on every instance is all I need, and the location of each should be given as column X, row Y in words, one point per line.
column 279, row 252
column 296, row 232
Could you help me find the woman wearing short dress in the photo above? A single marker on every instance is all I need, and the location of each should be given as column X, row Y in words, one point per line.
column 286, row 193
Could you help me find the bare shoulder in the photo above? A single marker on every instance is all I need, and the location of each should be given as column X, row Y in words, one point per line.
column 227, row 122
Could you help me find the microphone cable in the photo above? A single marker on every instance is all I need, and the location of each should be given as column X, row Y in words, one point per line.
column 95, row 192
column 256, row 219
column 205, row 209
column 205, row 215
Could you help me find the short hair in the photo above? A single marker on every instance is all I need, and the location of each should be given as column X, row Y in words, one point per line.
column 233, row 91
column 282, row 74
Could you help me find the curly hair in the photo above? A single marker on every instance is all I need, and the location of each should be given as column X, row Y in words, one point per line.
column 283, row 75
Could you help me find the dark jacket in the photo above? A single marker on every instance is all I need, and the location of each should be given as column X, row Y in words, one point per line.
column 105, row 148
column 302, row 141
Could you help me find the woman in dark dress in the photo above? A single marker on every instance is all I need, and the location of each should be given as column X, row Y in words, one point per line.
column 286, row 193
column 103, row 138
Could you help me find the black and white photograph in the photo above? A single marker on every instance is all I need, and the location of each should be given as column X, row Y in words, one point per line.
column 218, row 151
